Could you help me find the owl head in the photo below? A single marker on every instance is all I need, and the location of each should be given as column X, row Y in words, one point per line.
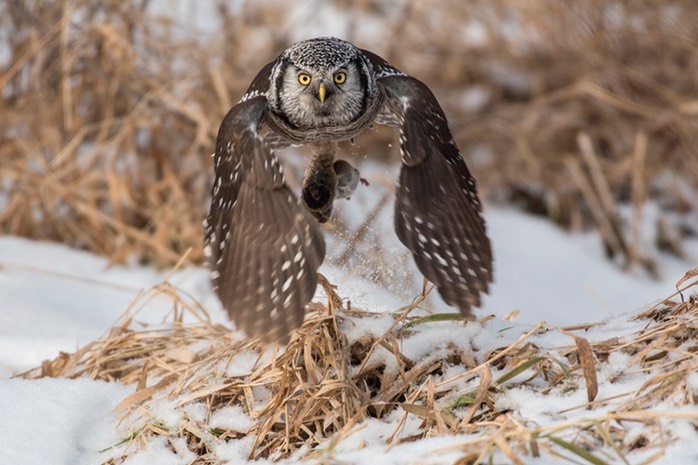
column 320, row 83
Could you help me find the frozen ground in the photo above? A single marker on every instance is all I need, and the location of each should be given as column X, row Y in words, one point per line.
column 53, row 298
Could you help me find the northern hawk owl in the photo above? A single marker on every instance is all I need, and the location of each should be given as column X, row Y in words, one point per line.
column 264, row 245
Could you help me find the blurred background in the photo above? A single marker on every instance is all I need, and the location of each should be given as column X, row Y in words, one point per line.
column 583, row 113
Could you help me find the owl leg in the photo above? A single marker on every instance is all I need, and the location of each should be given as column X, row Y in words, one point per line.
column 320, row 182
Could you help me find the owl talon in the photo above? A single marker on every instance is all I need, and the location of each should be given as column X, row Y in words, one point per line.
column 319, row 191
column 322, row 215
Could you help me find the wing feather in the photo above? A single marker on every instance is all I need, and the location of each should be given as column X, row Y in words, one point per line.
column 437, row 210
column 263, row 248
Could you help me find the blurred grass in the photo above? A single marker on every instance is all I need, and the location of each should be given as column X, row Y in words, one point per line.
column 565, row 109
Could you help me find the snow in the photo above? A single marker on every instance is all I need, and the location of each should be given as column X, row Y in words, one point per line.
column 564, row 278
column 54, row 298
column 693, row 383
column 158, row 452
column 540, row 270
column 232, row 418
column 547, row 274
column 57, row 420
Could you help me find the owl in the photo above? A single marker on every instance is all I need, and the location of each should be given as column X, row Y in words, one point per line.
column 263, row 244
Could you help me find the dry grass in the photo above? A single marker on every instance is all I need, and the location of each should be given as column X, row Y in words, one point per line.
column 317, row 391
column 586, row 105
column 564, row 108
column 106, row 134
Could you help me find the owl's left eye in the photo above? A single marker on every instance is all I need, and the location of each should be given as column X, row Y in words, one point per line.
column 340, row 77
column 304, row 79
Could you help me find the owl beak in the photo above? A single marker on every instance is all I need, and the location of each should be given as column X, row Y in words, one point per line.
column 322, row 92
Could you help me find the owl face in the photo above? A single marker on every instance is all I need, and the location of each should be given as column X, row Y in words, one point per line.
column 318, row 86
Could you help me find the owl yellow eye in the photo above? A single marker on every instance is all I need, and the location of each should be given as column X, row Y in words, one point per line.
column 304, row 79
column 340, row 77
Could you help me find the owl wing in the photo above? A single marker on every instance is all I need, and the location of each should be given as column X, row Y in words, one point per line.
column 262, row 246
column 438, row 215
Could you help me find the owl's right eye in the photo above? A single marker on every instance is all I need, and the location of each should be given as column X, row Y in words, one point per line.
column 304, row 79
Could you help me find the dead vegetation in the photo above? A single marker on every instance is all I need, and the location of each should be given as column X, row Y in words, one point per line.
column 322, row 388
column 571, row 108
column 567, row 109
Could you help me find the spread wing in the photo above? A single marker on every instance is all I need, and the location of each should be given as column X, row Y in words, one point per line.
column 437, row 210
column 262, row 246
